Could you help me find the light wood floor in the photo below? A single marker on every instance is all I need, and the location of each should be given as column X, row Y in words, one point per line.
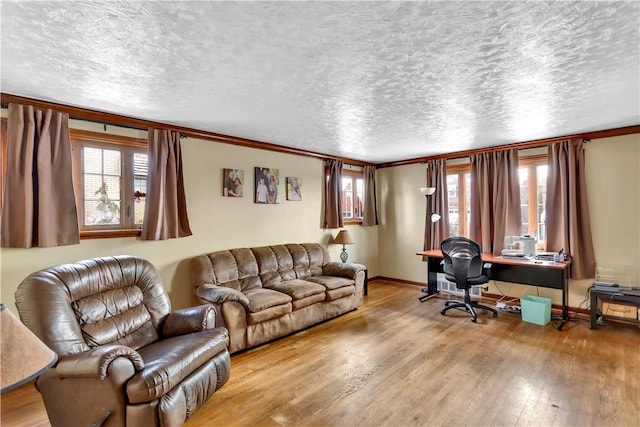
column 398, row 362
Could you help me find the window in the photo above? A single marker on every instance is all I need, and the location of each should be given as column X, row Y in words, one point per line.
column 352, row 196
column 459, row 199
column 532, row 172
column 110, row 178
column 533, row 196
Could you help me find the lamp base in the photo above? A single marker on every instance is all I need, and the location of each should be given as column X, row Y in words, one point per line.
column 344, row 255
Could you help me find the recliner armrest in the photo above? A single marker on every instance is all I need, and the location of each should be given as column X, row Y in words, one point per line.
column 94, row 363
column 189, row 320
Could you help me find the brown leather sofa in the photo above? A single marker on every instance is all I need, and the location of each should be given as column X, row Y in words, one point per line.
column 267, row 292
column 123, row 357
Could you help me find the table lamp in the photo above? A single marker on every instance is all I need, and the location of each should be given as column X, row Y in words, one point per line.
column 23, row 356
column 343, row 238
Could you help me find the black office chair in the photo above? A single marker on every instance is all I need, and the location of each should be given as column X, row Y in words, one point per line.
column 464, row 267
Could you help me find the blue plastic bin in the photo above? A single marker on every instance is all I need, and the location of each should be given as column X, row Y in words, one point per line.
column 535, row 309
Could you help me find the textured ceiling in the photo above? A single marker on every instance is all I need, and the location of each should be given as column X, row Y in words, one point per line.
column 373, row 81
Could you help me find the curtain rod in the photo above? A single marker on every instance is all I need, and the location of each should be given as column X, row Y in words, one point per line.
column 142, row 124
column 587, row 136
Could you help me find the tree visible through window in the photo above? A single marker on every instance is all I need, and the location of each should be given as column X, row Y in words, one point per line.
column 110, row 175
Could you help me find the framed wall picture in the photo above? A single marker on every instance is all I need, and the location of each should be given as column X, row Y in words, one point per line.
column 294, row 188
column 267, row 181
column 232, row 182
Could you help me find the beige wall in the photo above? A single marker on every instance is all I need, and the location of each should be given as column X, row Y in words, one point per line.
column 613, row 180
column 216, row 222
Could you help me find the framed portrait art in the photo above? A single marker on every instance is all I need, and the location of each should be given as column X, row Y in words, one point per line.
column 267, row 181
column 232, row 183
column 294, row 188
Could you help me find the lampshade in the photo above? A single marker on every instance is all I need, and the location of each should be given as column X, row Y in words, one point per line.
column 427, row 191
column 23, row 356
column 343, row 238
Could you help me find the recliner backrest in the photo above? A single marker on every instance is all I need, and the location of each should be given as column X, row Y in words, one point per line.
column 78, row 306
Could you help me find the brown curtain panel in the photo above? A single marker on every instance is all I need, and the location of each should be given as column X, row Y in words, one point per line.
column 165, row 215
column 332, row 195
column 370, row 209
column 39, row 204
column 567, row 211
column 438, row 203
column 495, row 199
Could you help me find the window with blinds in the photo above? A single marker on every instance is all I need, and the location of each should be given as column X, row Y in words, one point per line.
column 110, row 176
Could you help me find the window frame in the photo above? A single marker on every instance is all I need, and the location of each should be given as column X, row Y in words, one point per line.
column 128, row 146
column 354, row 175
column 531, row 163
column 461, row 171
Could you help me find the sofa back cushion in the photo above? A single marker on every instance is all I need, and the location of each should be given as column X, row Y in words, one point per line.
column 310, row 259
column 274, row 264
column 244, row 269
column 235, row 268
column 78, row 306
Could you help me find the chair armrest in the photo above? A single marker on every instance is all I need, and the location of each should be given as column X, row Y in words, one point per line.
column 189, row 320
column 219, row 294
column 94, row 363
column 341, row 269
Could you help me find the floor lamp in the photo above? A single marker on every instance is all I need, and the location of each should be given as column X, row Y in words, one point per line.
column 433, row 218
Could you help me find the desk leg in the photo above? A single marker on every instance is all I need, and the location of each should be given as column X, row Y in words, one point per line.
column 565, row 309
column 594, row 310
column 433, row 265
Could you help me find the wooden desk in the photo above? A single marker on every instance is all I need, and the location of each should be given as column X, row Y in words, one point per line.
column 547, row 274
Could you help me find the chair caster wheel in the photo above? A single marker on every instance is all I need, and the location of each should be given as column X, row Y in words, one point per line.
column 474, row 320
column 495, row 314
column 442, row 312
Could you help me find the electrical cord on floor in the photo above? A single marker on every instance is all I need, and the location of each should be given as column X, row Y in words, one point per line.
column 506, row 306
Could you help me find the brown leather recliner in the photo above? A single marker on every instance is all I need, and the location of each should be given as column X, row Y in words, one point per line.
column 123, row 357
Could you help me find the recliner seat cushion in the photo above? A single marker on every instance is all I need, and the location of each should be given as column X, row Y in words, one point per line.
column 170, row 361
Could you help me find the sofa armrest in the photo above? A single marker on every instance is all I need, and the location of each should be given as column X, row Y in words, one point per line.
column 189, row 320
column 341, row 269
column 94, row 363
column 219, row 294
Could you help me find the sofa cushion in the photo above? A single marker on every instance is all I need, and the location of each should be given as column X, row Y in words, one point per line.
column 168, row 362
column 332, row 282
column 261, row 299
column 298, row 289
column 269, row 313
column 267, row 264
column 335, row 294
column 305, row 302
